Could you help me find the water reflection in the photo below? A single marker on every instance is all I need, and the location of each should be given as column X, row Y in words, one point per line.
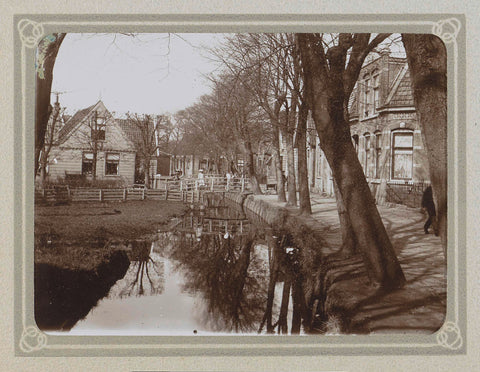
column 217, row 271
column 146, row 274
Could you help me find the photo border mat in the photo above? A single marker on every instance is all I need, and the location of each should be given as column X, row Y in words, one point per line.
column 30, row 341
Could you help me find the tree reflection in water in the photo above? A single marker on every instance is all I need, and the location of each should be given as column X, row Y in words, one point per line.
column 145, row 276
column 229, row 273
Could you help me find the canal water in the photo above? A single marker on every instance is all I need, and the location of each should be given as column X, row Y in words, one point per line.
column 210, row 275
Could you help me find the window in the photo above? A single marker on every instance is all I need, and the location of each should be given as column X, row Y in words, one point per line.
column 378, row 153
column 87, row 163
column 111, row 164
column 98, row 128
column 402, row 155
column 367, row 167
column 355, row 142
column 367, row 98
column 376, row 93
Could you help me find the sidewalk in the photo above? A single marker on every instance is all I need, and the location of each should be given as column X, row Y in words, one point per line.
column 419, row 307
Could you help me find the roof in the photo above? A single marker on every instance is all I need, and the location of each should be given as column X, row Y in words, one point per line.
column 132, row 132
column 401, row 94
column 72, row 123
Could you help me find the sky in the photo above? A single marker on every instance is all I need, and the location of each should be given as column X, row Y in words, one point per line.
column 145, row 73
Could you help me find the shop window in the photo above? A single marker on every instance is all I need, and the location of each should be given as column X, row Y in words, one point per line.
column 87, row 163
column 111, row 164
column 402, row 155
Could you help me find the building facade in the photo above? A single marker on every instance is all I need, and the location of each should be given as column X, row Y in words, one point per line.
column 91, row 136
column 385, row 133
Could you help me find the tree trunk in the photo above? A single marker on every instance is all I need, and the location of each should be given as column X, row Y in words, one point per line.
column 94, row 161
column 325, row 94
column 251, row 169
column 304, row 192
column 349, row 245
column 298, row 308
column 373, row 241
column 278, row 166
column 291, row 181
column 427, row 62
column 43, row 88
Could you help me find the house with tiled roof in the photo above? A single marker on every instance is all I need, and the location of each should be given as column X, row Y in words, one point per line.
column 91, row 144
column 385, row 132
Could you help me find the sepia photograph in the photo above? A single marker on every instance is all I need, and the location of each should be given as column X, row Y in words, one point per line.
column 226, row 184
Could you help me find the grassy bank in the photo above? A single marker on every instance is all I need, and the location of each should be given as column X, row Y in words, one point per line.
column 77, row 236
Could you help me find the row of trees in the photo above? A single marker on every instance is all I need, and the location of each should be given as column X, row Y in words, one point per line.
column 268, row 85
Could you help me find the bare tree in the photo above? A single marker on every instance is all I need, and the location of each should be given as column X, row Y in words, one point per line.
column 52, row 129
column 146, row 143
column 331, row 66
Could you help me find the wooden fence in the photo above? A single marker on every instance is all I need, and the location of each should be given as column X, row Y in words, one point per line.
column 176, row 190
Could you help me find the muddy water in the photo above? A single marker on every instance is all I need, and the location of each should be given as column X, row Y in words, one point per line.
column 210, row 275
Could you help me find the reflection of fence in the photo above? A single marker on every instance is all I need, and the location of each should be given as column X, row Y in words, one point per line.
column 197, row 226
column 208, row 183
column 409, row 194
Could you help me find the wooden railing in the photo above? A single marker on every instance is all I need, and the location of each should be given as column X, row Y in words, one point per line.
column 186, row 190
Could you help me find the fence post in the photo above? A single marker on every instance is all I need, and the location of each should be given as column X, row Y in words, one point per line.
column 211, row 187
column 143, row 194
column 101, row 195
column 243, row 184
column 124, row 194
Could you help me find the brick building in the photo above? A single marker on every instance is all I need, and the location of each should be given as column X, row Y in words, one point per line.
column 385, row 133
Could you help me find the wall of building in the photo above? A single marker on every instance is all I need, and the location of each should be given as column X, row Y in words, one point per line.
column 69, row 161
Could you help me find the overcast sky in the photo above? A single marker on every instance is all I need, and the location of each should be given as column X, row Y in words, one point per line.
column 148, row 73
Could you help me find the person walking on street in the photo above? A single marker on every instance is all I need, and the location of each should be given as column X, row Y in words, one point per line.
column 429, row 206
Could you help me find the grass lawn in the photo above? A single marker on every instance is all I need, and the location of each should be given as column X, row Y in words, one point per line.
column 76, row 235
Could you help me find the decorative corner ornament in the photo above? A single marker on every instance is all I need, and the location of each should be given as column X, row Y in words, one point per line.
column 32, row 339
column 449, row 336
column 31, row 32
column 447, row 29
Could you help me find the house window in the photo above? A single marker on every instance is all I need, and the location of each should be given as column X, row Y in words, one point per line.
column 402, row 155
column 355, row 142
column 378, row 153
column 367, row 155
column 87, row 163
column 367, row 98
column 376, row 93
column 98, row 128
column 111, row 164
